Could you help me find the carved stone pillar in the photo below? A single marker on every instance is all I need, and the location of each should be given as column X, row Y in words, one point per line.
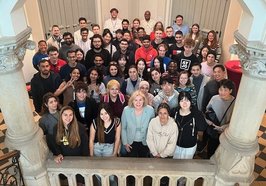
column 235, row 157
column 23, row 133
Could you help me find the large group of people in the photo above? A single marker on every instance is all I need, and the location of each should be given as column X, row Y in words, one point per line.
column 134, row 91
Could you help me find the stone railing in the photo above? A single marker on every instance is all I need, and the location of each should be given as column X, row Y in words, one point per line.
column 202, row 171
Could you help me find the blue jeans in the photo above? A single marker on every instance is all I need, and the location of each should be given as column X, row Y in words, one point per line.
column 103, row 149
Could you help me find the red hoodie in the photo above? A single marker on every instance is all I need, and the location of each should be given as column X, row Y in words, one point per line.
column 147, row 54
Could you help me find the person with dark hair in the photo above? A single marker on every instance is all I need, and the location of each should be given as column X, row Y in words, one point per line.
column 80, row 56
column 43, row 82
column 131, row 44
column 123, row 64
column 155, row 81
column 169, row 39
column 85, row 108
column 55, row 62
column 142, row 69
column 178, row 47
column 113, row 72
column 96, row 87
column 207, row 66
column 72, row 63
column 97, row 47
column 40, row 54
column 202, row 54
column 158, row 38
column 56, row 37
column 146, row 51
column 189, row 121
column 67, row 45
column 125, row 24
column 171, row 71
column 132, row 82
column 84, row 42
column 49, row 113
column 147, row 23
column 183, row 83
column 162, row 133
column 114, row 22
column 167, row 95
column 108, row 39
column 123, row 50
column 222, row 105
column 119, row 36
column 157, row 63
column 199, row 81
column 178, row 25
column 158, row 26
column 67, row 87
column 195, row 34
column 78, row 34
column 96, row 29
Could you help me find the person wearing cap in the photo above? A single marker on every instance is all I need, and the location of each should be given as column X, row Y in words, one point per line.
column 167, row 95
column 146, row 51
column 114, row 22
column 144, row 87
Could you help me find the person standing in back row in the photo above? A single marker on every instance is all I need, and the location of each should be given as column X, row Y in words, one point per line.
column 113, row 23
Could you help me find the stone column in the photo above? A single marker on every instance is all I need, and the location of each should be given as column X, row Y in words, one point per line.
column 23, row 133
column 235, row 157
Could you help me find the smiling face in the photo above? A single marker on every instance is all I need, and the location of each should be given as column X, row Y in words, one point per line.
column 42, row 47
column 113, row 70
column 133, row 74
column 144, row 89
column 155, row 75
column 185, row 104
column 79, row 55
column 224, row 93
column 141, row 66
column 163, row 115
column 113, row 91
column 195, row 70
column 67, row 117
column 75, row 74
column 81, row 95
column 138, row 102
column 104, row 115
column 218, row 74
column 94, row 75
column 107, row 38
column 195, row 29
column 183, row 79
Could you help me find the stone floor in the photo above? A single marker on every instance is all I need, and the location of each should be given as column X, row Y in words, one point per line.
column 260, row 163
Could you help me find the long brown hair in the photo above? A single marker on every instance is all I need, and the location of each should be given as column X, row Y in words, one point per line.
column 45, row 101
column 100, row 123
column 214, row 43
column 73, row 137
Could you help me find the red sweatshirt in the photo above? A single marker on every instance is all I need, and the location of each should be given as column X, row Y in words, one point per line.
column 147, row 54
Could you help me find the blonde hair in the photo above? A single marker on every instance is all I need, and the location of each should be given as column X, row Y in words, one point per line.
column 133, row 97
column 112, row 83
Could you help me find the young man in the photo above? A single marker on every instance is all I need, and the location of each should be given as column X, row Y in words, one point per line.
column 186, row 58
column 55, row 62
column 125, row 25
column 84, row 43
column 124, row 51
column 99, row 63
column 146, row 51
column 178, row 25
column 158, row 38
column 114, row 22
column 67, row 45
column 119, row 36
column 178, row 47
column 56, row 38
column 82, row 24
column 199, row 80
column 167, row 95
column 96, row 29
column 169, row 39
column 41, row 54
column 97, row 48
column 85, row 108
column 71, row 63
column 207, row 66
column 147, row 23
column 43, row 82
column 131, row 45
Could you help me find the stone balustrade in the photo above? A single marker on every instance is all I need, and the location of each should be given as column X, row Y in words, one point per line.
column 140, row 168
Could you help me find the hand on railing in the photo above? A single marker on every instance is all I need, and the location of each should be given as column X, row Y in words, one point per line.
column 58, row 159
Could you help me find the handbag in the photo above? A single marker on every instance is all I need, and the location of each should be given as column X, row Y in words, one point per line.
column 211, row 115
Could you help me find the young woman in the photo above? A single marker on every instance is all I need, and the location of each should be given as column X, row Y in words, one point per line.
column 96, row 87
column 123, row 64
column 142, row 69
column 212, row 42
column 144, row 87
column 105, row 133
column 158, row 64
column 196, row 36
column 184, row 84
column 67, row 87
column 162, row 133
column 113, row 72
column 49, row 113
column 108, row 38
column 155, row 81
column 80, row 56
column 132, row 83
column 202, row 57
column 70, row 138
column 135, row 120
column 222, row 105
column 189, row 121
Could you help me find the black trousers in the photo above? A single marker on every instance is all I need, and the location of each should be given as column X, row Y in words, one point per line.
column 138, row 150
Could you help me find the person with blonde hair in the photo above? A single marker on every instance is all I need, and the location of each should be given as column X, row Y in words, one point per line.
column 114, row 98
column 135, row 120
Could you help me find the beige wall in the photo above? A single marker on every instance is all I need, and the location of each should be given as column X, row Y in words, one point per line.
column 232, row 24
